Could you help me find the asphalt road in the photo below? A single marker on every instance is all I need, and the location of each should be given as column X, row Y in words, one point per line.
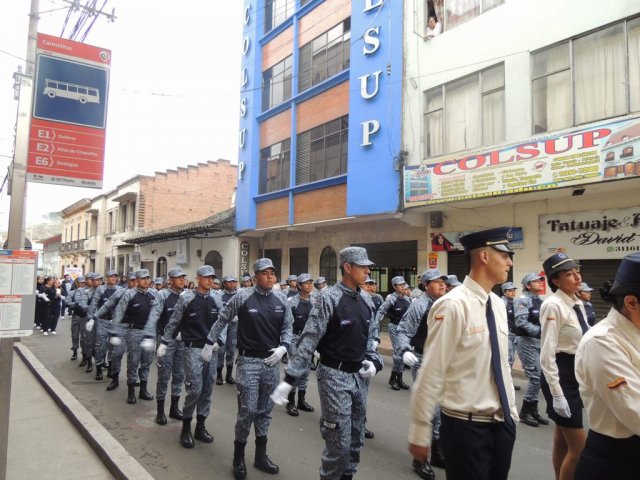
column 294, row 442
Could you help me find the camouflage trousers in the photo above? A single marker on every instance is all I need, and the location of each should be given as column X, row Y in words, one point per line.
column 138, row 360
column 115, row 353
column 75, row 331
column 171, row 367
column 102, row 340
column 200, row 376
column 303, row 379
column 228, row 348
column 398, row 365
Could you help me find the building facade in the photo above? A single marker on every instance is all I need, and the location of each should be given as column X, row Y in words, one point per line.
column 76, row 236
column 51, row 256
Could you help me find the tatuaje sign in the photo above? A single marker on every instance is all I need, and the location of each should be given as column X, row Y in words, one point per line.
column 591, row 235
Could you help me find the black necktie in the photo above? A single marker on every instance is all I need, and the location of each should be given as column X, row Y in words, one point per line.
column 583, row 324
column 497, row 369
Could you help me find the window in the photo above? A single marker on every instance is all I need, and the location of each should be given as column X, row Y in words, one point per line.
column 86, row 229
column 325, row 56
column 465, row 113
column 275, row 255
column 214, row 259
column 589, row 78
column 451, row 13
column 276, row 83
column 123, row 217
column 298, row 261
column 161, row 267
column 329, row 265
column 322, row 151
column 626, row 152
column 276, row 12
column 275, row 167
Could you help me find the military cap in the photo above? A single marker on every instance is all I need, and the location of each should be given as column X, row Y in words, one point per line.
column 206, row 271
column 159, row 281
column 370, row 280
column 356, row 256
column 216, row 280
column 584, row 287
column 230, row 278
column 628, row 276
column 283, row 282
column 432, row 274
column 80, row 279
column 292, row 278
column 304, row 277
column 142, row 273
column 262, row 264
column 320, row 280
column 89, row 275
column 398, row 281
column 453, row 281
column 111, row 273
column 531, row 277
column 508, row 286
column 497, row 238
column 97, row 276
column 132, row 275
column 246, row 278
column 176, row 272
column 558, row 262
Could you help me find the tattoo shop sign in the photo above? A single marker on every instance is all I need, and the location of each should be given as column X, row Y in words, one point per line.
column 596, row 234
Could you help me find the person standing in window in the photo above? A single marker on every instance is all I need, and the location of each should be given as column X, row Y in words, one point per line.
column 434, row 28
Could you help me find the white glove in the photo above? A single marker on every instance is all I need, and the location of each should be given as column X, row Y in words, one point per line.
column 281, row 393
column 561, row 406
column 147, row 344
column 375, row 345
column 278, row 353
column 368, row 369
column 179, row 336
column 409, row 359
column 89, row 325
column 207, row 351
column 115, row 340
column 162, row 350
column 316, row 355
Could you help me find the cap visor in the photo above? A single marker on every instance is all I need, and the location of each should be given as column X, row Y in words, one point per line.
column 502, row 248
column 366, row 263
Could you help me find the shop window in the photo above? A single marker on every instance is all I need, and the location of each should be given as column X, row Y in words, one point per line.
column 322, row 151
column 329, row 265
column 276, row 83
column 275, row 167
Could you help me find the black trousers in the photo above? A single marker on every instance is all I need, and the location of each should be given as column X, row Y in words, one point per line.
column 475, row 450
column 607, row 458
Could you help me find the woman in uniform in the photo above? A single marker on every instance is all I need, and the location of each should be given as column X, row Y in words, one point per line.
column 608, row 371
column 563, row 322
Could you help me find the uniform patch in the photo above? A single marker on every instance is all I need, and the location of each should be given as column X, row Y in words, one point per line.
column 616, row 383
column 478, row 329
column 438, row 317
column 551, row 318
column 326, row 424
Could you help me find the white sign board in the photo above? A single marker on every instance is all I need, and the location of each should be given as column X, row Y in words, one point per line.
column 597, row 234
column 17, row 292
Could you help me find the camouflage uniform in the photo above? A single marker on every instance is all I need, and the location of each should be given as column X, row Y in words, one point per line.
column 100, row 297
column 115, row 353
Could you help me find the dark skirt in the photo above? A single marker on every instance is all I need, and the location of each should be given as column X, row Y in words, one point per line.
column 570, row 389
column 607, row 458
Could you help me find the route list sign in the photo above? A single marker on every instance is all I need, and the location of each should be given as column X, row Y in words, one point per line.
column 68, row 125
column 17, row 292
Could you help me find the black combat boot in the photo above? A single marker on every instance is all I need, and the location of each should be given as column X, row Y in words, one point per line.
column 229, row 378
column 262, row 461
column 174, row 411
column 83, row 363
column 186, row 439
column 219, row 379
column 110, row 370
column 144, row 394
column 291, row 404
column 346, row 477
column 526, row 414
column 201, row 433
column 393, row 383
column 89, row 368
column 115, row 382
column 400, row 383
column 437, row 458
column 368, row 434
column 74, row 355
column 239, row 468
column 423, row 470
column 161, row 419
column 302, row 404
column 99, row 372
column 131, row 395
column 534, row 411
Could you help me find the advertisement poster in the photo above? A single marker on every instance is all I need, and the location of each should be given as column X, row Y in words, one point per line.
column 450, row 241
column 608, row 151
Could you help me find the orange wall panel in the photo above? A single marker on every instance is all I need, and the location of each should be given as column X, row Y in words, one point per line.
column 277, row 49
column 324, row 204
column 326, row 15
column 275, row 129
column 272, row 213
column 323, row 108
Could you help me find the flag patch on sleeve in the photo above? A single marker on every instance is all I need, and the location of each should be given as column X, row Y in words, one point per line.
column 438, row 317
column 616, row 383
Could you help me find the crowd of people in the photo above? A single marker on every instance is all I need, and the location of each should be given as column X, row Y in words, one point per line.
column 458, row 339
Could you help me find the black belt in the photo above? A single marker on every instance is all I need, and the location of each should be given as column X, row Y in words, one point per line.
column 297, row 332
column 132, row 326
column 195, row 344
column 349, row 367
column 254, row 353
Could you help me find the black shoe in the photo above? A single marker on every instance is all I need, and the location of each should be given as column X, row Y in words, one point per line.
column 368, row 434
column 262, row 461
column 201, row 433
column 174, row 411
column 534, row 411
column 186, row 439
column 526, row 414
column 437, row 457
column 291, row 404
column 144, row 394
column 346, row 477
column 131, row 395
column 161, row 419
column 516, row 387
column 99, row 372
column 239, row 467
column 219, row 380
column 302, row 404
column 229, row 378
column 115, row 382
column 110, row 370
column 83, row 363
column 89, row 368
column 393, row 383
column 74, row 356
column 423, row 470
column 400, row 383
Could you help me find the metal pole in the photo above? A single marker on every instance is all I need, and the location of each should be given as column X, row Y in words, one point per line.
column 16, row 221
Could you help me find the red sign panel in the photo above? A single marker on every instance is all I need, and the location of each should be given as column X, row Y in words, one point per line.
column 68, row 125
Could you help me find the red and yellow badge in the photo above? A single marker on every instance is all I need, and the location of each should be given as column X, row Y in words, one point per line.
column 616, row 383
column 438, row 317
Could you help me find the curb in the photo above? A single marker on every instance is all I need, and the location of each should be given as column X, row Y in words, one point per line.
column 117, row 460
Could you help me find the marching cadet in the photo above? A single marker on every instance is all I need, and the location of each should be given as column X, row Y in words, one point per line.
column 342, row 328
column 465, row 368
column 563, row 322
column 394, row 307
column 193, row 316
column 452, row 282
column 264, row 334
column 320, row 284
column 82, row 302
column 246, row 281
column 411, row 337
column 292, row 281
column 584, row 294
column 300, row 305
column 115, row 352
column 100, row 297
column 76, row 315
column 508, row 295
column 229, row 289
column 527, row 323
column 158, row 283
column 608, row 372
column 171, row 364
column 217, row 286
column 371, row 286
column 90, row 333
column 131, row 314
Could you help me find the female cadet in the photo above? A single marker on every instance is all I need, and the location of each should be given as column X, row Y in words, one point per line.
column 563, row 322
column 608, row 371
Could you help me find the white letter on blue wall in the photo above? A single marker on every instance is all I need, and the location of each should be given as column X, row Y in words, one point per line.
column 371, row 39
column 370, row 4
column 369, row 128
column 364, row 84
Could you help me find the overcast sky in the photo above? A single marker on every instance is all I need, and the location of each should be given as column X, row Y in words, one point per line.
column 174, row 92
